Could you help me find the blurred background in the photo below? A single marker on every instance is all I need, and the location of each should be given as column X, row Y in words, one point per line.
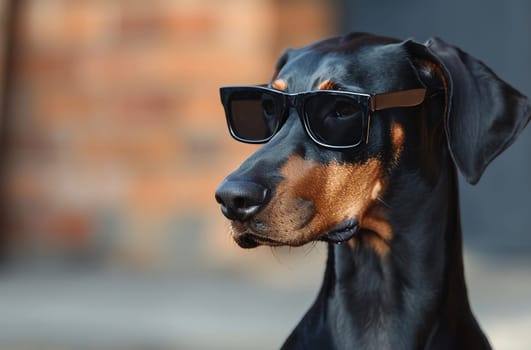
column 113, row 140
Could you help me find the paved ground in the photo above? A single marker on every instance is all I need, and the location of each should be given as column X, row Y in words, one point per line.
column 116, row 310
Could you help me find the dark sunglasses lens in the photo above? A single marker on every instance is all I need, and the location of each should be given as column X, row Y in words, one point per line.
column 253, row 115
column 335, row 120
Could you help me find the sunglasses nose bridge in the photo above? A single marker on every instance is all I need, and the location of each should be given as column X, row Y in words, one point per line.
column 291, row 101
column 294, row 102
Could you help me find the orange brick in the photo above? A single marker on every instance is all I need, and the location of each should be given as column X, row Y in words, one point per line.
column 44, row 66
column 135, row 148
column 141, row 24
column 71, row 229
column 144, row 106
column 313, row 18
column 65, row 23
column 154, row 195
column 60, row 107
column 196, row 25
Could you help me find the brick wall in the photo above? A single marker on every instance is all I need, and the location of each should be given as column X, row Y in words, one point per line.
column 116, row 138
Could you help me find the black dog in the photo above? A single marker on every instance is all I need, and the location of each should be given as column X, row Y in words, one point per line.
column 364, row 134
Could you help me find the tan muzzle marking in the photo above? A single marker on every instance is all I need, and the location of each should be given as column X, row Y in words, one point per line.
column 339, row 192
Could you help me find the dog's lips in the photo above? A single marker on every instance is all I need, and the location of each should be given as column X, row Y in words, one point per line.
column 342, row 232
column 249, row 240
column 247, row 237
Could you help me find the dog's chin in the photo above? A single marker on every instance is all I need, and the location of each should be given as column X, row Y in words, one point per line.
column 246, row 241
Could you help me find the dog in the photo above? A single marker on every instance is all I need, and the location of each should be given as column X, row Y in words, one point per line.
column 363, row 137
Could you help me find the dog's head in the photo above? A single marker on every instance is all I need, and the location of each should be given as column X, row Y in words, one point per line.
column 329, row 161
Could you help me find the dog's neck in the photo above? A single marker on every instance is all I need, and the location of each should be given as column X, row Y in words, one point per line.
column 409, row 297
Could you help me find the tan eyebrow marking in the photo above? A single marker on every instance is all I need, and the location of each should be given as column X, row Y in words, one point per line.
column 397, row 140
column 327, row 85
column 280, row 84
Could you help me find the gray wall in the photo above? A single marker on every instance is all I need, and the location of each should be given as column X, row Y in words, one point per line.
column 496, row 213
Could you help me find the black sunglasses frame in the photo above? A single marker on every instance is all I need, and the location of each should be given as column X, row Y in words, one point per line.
column 368, row 103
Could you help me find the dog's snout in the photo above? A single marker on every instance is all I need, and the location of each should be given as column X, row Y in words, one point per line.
column 240, row 200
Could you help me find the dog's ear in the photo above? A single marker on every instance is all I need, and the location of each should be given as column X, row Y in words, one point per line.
column 484, row 114
column 281, row 62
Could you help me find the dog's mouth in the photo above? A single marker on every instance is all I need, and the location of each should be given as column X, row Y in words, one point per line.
column 342, row 232
column 338, row 234
column 249, row 240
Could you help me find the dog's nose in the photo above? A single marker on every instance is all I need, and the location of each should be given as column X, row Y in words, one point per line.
column 240, row 200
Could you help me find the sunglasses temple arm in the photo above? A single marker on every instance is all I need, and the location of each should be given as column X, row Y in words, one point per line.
column 406, row 98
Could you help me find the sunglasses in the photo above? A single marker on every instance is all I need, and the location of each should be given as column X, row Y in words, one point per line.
column 331, row 118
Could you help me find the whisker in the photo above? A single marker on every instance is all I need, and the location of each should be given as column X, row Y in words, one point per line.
column 273, row 252
column 383, row 202
column 311, row 247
